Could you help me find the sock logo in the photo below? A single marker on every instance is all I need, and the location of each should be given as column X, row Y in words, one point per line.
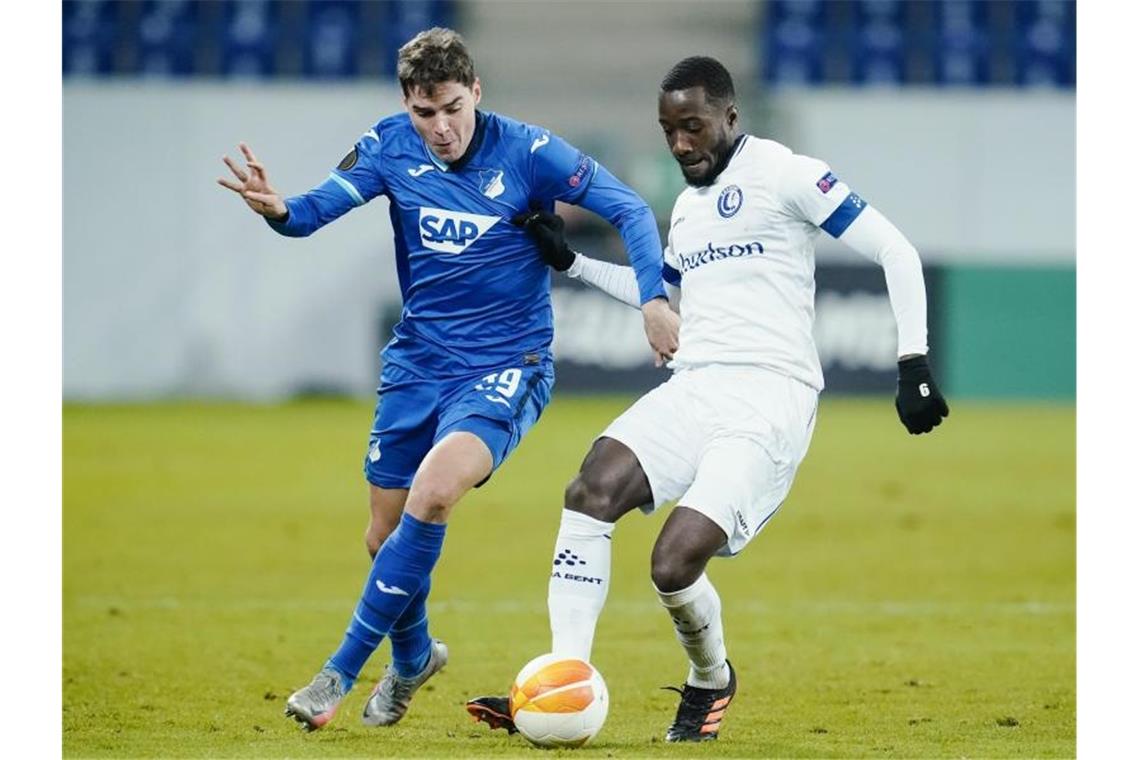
column 390, row 589
column 679, row 622
column 576, row 578
column 570, row 558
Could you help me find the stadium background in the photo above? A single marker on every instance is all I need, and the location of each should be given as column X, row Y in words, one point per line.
column 218, row 378
column 956, row 119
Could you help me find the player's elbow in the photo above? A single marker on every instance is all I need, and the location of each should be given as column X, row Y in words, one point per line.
column 899, row 254
column 631, row 213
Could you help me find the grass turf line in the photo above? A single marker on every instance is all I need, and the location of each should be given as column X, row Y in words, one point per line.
column 913, row 598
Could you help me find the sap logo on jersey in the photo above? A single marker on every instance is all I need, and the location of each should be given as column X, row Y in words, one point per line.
column 452, row 231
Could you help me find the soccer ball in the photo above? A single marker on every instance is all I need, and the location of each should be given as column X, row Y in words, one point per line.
column 559, row 702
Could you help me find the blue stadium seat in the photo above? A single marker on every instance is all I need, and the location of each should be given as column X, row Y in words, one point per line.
column 792, row 42
column 953, row 43
column 90, row 31
column 331, row 39
column 963, row 43
column 165, row 38
column 879, row 42
column 249, row 35
column 1046, row 43
column 320, row 39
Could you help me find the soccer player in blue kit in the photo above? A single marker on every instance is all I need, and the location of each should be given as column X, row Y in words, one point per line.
column 469, row 369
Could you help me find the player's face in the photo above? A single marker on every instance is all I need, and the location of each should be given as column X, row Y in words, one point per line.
column 445, row 119
column 700, row 134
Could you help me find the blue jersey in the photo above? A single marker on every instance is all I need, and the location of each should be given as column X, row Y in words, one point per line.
column 475, row 289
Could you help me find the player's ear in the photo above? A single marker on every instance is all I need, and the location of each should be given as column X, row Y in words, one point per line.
column 731, row 115
column 476, row 90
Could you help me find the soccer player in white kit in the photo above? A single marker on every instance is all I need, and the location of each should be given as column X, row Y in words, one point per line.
column 724, row 436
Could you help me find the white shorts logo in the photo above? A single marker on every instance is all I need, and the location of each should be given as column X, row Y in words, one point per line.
column 452, row 231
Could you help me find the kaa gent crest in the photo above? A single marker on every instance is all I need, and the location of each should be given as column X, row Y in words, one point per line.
column 452, row 231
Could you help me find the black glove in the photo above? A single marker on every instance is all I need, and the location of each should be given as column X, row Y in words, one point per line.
column 918, row 401
column 545, row 229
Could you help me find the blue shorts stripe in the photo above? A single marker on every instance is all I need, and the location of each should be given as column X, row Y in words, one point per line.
column 670, row 275
column 520, row 405
column 840, row 219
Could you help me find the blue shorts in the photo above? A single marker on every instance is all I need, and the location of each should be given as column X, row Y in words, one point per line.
column 414, row 413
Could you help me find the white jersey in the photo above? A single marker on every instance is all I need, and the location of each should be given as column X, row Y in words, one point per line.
column 743, row 252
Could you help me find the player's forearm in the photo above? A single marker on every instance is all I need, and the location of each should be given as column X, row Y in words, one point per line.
column 873, row 236
column 626, row 211
column 309, row 212
column 614, row 280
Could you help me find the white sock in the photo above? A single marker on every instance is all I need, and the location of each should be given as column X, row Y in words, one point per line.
column 579, row 580
column 696, row 618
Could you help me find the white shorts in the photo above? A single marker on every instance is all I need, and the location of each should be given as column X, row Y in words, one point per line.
column 722, row 440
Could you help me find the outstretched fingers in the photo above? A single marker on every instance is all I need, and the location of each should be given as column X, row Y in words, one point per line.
column 266, row 198
column 258, row 171
column 237, row 170
column 245, row 151
column 231, row 185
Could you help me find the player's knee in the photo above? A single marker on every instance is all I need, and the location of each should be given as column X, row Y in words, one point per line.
column 591, row 498
column 372, row 544
column 673, row 571
column 431, row 501
column 379, row 528
column 670, row 575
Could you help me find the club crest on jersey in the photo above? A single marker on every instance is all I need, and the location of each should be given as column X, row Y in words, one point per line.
column 826, row 182
column 452, row 231
column 730, row 201
column 491, row 182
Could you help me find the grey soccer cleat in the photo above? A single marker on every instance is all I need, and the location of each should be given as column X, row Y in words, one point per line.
column 390, row 699
column 314, row 705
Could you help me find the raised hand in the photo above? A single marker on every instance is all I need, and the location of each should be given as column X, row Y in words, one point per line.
column 253, row 185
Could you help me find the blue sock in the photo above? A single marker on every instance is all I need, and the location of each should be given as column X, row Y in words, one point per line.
column 411, row 644
column 402, row 567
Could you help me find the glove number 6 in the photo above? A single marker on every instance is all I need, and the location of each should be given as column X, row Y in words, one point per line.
column 923, row 390
column 504, row 383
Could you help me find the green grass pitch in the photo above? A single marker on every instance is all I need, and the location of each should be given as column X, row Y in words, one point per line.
column 915, row 597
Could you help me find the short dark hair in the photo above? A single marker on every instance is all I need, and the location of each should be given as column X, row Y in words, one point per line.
column 701, row 71
column 433, row 57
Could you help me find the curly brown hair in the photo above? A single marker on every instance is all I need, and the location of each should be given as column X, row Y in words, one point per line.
column 433, row 57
